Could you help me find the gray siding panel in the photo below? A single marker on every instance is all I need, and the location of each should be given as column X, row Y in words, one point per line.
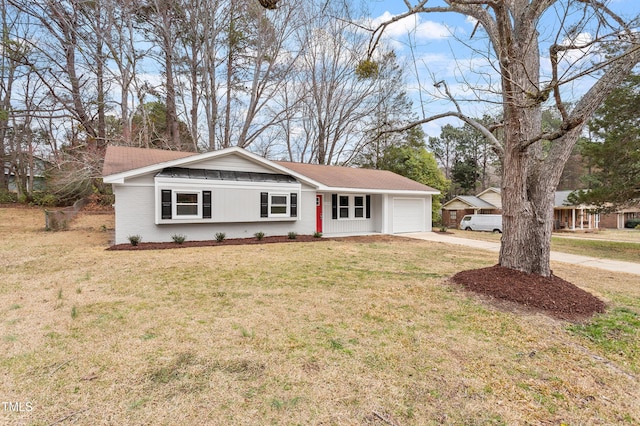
column 135, row 212
column 135, row 215
column 351, row 226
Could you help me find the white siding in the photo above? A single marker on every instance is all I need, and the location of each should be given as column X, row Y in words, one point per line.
column 136, row 212
column 352, row 226
column 142, row 180
column 383, row 214
column 230, row 201
column 236, row 208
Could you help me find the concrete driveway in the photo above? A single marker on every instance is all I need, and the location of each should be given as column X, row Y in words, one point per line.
column 593, row 262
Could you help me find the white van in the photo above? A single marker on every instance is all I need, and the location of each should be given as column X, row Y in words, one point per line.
column 482, row 222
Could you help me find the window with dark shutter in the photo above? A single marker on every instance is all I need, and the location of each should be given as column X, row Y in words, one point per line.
column 334, row 206
column 166, row 203
column 293, row 207
column 358, row 207
column 264, row 204
column 368, row 207
column 343, row 206
column 206, row 204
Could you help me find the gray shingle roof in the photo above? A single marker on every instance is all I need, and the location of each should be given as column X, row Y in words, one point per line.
column 476, row 202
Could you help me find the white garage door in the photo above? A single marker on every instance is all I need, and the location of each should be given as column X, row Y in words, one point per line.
column 408, row 215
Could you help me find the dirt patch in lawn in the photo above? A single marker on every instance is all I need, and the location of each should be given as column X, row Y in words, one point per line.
column 552, row 296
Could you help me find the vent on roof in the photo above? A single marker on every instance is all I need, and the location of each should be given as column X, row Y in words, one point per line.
column 184, row 173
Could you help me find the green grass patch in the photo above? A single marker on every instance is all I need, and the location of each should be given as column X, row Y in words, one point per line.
column 629, row 252
column 581, row 244
column 283, row 404
column 617, row 333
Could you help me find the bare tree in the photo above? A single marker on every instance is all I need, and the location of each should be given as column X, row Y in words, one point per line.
column 119, row 36
column 164, row 18
column 515, row 31
column 212, row 29
column 10, row 60
column 62, row 57
column 335, row 102
column 197, row 50
column 259, row 58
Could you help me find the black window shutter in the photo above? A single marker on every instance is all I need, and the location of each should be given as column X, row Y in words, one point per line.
column 334, row 206
column 368, row 207
column 264, row 204
column 166, row 203
column 294, row 205
column 206, row 204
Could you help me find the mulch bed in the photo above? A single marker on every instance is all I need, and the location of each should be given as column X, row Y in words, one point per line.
column 552, row 296
column 245, row 241
column 210, row 243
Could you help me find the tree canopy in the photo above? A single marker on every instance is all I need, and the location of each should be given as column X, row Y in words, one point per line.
column 411, row 159
column 612, row 153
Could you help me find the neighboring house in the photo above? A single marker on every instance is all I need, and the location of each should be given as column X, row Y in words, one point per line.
column 582, row 217
column 33, row 183
column 618, row 219
column 570, row 217
column 566, row 216
column 488, row 201
column 161, row 193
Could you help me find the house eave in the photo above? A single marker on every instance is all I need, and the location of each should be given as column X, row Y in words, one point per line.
column 372, row 191
column 471, row 206
column 120, row 178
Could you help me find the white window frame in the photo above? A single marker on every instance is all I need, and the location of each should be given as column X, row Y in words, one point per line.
column 351, row 207
column 175, row 204
column 342, row 207
column 287, row 198
column 362, row 208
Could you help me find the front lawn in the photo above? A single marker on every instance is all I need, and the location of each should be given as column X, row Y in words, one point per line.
column 331, row 332
column 625, row 245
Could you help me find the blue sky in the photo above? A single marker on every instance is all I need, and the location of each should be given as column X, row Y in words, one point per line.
column 426, row 45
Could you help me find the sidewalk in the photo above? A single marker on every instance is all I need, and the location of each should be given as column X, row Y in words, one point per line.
column 606, row 264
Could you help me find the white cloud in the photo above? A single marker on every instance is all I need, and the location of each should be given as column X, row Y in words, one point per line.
column 416, row 25
column 580, row 47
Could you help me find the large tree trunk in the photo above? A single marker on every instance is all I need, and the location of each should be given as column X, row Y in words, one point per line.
column 533, row 160
column 527, row 219
column 531, row 176
column 527, row 196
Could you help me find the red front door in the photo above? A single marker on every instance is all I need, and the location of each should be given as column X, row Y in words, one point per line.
column 319, row 213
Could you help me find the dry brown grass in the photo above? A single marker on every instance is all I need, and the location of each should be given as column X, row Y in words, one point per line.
column 620, row 235
column 303, row 333
column 607, row 244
